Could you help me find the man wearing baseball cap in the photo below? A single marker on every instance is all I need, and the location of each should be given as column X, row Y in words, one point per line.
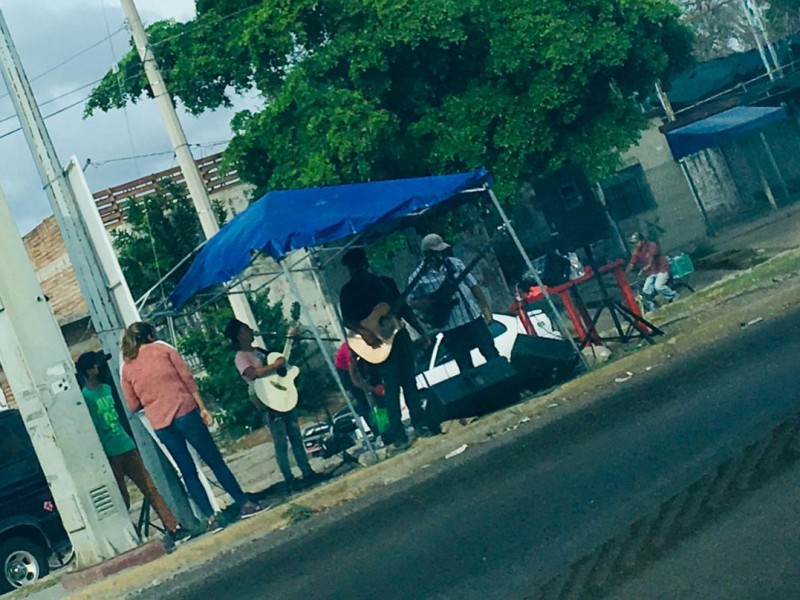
column 467, row 311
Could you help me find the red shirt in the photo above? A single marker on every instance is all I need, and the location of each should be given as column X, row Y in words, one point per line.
column 344, row 357
column 647, row 256
column 159, row 380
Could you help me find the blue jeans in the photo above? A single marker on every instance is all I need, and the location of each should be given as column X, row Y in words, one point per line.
column 285, row 428
column 190, row 429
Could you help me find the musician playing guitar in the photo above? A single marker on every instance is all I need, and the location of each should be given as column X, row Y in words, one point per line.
column 357, row 299
column 465, row 308
column 284, row 426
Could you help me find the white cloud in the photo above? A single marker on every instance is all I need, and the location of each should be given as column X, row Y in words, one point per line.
column 46, row 33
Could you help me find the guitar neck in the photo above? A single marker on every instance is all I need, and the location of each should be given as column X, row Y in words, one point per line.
column 287, row 348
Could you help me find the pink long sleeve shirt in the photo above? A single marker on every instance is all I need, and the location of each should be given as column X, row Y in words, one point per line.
column 159, row 380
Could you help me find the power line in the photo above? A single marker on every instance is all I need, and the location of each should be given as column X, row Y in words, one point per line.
column 100, row 163
column 70, row 59
column 52, row 114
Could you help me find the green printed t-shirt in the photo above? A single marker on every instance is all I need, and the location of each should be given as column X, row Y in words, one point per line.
column 114, row 438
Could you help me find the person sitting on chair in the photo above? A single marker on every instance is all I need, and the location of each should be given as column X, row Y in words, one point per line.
column 466, row 325
column 647, row 257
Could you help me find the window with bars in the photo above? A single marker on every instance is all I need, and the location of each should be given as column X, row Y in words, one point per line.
column 627, row 193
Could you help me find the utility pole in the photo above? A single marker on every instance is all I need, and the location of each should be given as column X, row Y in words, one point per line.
column 194, row 181
column 40, row 371
column 755, row 21
column 104, row 312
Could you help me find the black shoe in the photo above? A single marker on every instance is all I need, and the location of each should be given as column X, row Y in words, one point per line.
column 401, row 445
column 175, row 538
column 423, row 432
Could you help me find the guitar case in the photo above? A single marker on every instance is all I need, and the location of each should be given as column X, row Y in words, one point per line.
column 475, row 392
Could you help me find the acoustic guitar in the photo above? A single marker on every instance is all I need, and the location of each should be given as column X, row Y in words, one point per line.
column 373, row 341
column 278, row 390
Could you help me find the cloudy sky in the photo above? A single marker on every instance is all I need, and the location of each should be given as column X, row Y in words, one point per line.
column 47, row 33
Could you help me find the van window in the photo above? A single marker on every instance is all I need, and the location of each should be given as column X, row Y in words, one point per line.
column 15, row 459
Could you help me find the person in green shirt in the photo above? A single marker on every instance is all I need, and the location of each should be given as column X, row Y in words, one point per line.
column 119, row 447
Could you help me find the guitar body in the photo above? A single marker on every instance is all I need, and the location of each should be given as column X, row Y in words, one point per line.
column 374, row 355
column 382, row 326
column 275, row 391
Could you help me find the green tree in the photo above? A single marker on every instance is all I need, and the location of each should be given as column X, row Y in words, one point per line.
column 160, row 231
column 355, row 90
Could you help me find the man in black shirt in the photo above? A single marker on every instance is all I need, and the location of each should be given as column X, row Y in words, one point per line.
column 358, row 297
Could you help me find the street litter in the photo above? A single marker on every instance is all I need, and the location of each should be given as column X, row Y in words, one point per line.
column 525, row 420
column 457, row 451
column 553, row 405
column 627, row 376
column 752, row 322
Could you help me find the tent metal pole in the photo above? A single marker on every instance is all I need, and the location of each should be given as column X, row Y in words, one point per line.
column 512, row 232
column 326, row 355
column 774, row 164
column 696, row 195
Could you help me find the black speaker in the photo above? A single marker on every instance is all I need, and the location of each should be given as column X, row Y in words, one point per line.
column 565, row 197
column 542, row 362
column 475, row 392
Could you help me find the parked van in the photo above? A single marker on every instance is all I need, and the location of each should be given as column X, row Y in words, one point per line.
column 32, row 537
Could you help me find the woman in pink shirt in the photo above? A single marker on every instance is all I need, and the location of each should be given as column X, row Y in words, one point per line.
column 156, row 378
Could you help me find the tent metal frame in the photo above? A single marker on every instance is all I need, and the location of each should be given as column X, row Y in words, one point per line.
column 288, row 271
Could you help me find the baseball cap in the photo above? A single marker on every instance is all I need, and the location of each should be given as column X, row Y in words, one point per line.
column 434, row 242
column 89, row 359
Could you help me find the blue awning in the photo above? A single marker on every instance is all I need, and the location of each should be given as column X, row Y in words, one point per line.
column 722, row 128
column 284, row 221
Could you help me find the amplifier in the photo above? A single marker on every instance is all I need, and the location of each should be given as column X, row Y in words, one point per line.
column 475, row 392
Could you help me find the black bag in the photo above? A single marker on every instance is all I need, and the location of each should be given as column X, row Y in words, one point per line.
column 556, row 269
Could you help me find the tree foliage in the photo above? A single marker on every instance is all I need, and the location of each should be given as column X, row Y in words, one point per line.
column 360, row 90
column 160, row 231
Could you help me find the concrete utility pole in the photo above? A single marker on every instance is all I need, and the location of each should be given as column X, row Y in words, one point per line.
column 194, row 181
column 40, row 371
column 104, row 312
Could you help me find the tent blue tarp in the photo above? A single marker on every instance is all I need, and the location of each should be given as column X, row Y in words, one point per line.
column 284, row 221
column 722, row 128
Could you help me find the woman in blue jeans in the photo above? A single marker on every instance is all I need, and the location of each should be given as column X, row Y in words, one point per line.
column 156, row 378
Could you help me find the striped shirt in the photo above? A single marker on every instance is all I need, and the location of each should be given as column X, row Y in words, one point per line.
column 467, row 309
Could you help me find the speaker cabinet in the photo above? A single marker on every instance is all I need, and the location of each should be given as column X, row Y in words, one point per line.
column 475, row 392
column 542, row 362
column 570, row 207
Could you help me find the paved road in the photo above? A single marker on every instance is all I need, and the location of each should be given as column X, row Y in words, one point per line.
column 751, row 553
column 500, row 521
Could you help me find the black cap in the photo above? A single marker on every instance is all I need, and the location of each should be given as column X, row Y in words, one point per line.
column 87, row 360
column 354, row 257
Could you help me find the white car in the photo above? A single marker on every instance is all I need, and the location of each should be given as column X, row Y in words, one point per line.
column 439, row 365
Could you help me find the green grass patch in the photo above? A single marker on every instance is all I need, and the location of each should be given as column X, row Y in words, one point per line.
column 297, row 513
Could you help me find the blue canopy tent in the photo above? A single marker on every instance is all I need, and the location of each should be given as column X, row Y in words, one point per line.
column 282, row 222
column 722, row 128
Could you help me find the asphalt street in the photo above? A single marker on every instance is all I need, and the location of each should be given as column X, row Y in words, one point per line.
column 501, row 520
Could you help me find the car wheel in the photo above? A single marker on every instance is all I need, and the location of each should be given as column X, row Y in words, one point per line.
column 23, row 561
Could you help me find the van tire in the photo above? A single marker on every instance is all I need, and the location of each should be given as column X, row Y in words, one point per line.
column 29, row 556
